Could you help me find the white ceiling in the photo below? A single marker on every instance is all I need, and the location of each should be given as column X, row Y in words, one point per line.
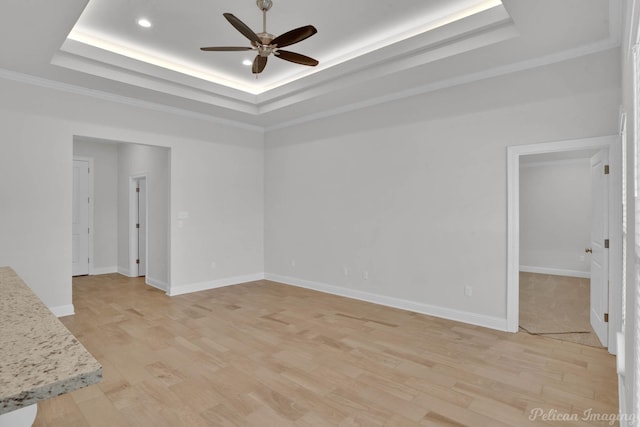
column 179, row 29
column 369, row 51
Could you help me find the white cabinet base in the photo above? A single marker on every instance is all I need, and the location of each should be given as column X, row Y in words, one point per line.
column 23, row 417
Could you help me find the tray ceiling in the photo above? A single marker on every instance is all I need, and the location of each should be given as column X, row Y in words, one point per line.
column 369, row 51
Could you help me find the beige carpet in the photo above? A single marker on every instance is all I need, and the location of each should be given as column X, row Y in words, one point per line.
column 556, row 307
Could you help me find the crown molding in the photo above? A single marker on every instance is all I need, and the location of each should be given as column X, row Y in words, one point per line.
column 613, row 41
column 134, row 102
column 473, row 32
column 487, row 27
column 603, row 45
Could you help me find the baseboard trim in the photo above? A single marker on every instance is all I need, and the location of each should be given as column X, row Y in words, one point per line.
column 555, row 271
column 213, row 284
column 125, row 272
column 430, row 310
column 63, row 310
column 104, row 270
column 158, row 284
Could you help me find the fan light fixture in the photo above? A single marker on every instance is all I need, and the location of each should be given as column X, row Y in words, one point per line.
column 266, row 44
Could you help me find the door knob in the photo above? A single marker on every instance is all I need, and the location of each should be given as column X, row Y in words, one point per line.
column 588, row 250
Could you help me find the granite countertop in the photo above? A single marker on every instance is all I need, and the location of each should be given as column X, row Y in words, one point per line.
column 39, row 357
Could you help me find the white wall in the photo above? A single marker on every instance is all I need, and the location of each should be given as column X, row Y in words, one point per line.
column 223, row 193
column 555, row 217
column 414, row 192
column 34, row 212
column 105, row 202
column 136, row 160
column 216, row 175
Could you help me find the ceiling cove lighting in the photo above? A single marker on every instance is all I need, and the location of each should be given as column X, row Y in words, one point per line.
column 144, row 22
column 419, row 25
column 157, row 60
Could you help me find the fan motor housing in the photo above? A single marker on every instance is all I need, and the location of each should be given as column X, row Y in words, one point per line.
column 265, row 38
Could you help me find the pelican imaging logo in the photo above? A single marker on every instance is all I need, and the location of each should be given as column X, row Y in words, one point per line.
column 589, row 415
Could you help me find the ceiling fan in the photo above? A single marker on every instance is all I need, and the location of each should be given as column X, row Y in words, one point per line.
column 267, row 44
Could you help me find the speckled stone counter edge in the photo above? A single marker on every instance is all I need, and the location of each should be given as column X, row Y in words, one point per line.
column 29, row 397
column 39, row 357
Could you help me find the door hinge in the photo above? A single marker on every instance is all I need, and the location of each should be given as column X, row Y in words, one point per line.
column 137, row 261
column 137, row 225
column 606, row 169
column 606, row 243
column 138, row 190
column 88, row 231
column 606, row 318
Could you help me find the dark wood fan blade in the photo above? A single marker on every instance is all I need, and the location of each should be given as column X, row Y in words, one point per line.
column 225, row 49
column 296, row 57
column 242, row 27
column 294, row 36
column 258, row 64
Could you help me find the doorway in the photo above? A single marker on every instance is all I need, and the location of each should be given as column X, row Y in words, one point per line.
column 117, row 169
column 138, row 226
column 515, row 153
column 555, row 231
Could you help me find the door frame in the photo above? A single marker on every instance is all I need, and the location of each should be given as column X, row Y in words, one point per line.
column 91, row 207
column 133, row 219
column 612, row 144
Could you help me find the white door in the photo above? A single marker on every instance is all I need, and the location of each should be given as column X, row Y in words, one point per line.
column 80, row 218
column 599, row 245
column 142, row 227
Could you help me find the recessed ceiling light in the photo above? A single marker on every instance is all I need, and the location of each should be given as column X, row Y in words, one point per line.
column 144, row 22
column 247, row 62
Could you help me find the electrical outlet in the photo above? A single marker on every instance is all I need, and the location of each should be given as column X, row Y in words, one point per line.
column 365, row 275
column 345, row 270
column 468, row 291
column 293, row 263
column 213, row 265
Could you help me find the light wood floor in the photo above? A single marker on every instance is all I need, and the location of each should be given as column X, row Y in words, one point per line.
column 266, row 354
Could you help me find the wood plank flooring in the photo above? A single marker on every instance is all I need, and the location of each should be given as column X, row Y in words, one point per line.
column 267, row 354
